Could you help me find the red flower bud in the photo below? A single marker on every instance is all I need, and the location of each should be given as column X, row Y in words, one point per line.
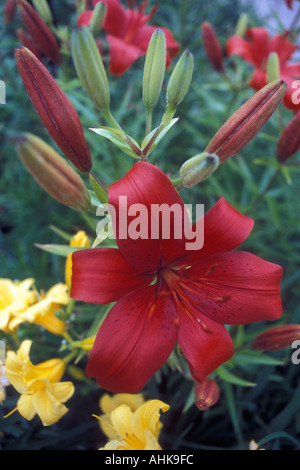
column 9, row 10
column 289, row 141
column 39, row 31
column 26, row 41
column 247, row 121
column 54, row 109
column 207, row 394
column 53, row 173
column 212, row 46
column 276, row 338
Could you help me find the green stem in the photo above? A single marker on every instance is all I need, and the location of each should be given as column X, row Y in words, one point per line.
column 148, row 120
column 111, row 120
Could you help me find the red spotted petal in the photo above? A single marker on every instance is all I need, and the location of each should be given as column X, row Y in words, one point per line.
column 235, row 288
column 205, row 344
column 224, row 229
column 146, row 188
column 101, row 275
column 134, row 341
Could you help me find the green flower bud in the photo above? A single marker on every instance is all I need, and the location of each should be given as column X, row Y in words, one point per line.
column 90, row 68
column 180, row 79
column 198, row 168
column 241, row 25
column 273, row 67
column 154, row 69
column 98, row 18
column 44, row 10
column 53, row 173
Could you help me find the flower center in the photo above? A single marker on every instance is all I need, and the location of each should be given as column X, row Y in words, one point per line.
column 187, row 294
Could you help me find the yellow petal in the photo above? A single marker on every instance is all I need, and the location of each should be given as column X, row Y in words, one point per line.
column 121, row 420
column 62, row 391
column 52, row 370
column 147, row 417
column 108, row 403
column 25, row 407
column 49, row 409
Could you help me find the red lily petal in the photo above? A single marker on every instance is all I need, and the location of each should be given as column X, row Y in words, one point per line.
column 289, row 74
column 144, row 35
column 115, row 22
column 253, row 51
column 259, row 37
column 101, row 275
column 224, row 229
column 258, row 80
column 121, row 55
column 237, row 45
column 140, row 186
column 282, row 47
column 205, row 344
column 236, row 288
column 84, row 18
column 134, row 341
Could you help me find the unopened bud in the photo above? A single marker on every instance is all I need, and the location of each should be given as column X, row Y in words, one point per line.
column 180, row 79
column 154, row 69
column 247, row 121
column 26, row 41
column 276, row 338
column 44, row 10
column 9, row 10
column 90, row 68
column 39, row 31
column 53, row 173
column 198, row 168
column 207, row 394
column 241, row 25
column 76, row 373
column 289, row 141
column 54, row 109
column 97, row 18
column 212, row 46
column 273, row 67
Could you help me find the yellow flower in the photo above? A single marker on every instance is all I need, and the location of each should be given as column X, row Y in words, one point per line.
column 138, row 430
column 43, row 312
column 79, row 240
column 15, row 297
column 108, row 403
column 41, row 391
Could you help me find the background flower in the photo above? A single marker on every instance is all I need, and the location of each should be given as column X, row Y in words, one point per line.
column 128, row 34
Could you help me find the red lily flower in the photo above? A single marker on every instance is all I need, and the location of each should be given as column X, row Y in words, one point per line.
column 128, row 34
column 166, row 293
column 256, row 49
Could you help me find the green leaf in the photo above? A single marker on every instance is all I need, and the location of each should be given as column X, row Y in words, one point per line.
column 117, row 137
column 159, row 137
column 231, row 378
column 66, row 236
column 99, row 191
column 255, row 357
column 60, row 250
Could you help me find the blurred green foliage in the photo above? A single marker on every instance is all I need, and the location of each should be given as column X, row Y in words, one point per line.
column 252, row 182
